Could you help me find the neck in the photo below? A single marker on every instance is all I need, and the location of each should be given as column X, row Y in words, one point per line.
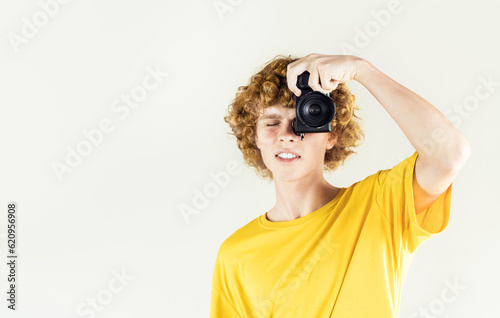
column 297, row 198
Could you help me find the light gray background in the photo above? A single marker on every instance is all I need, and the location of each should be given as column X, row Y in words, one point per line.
column 119, row 209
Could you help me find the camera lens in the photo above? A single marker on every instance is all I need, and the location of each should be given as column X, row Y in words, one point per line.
column 316, row 110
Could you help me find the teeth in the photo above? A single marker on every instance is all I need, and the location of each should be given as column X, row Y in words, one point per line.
column 287, row 155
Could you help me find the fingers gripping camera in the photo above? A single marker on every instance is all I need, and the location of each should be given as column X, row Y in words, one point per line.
column 314, row 110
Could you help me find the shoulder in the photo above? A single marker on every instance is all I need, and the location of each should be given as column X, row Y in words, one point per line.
column 398, row 171
column 233, row 243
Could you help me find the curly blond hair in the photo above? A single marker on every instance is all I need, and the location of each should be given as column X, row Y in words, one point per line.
column 267, row 88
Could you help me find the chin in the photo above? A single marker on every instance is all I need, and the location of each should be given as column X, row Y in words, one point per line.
column 286, row 176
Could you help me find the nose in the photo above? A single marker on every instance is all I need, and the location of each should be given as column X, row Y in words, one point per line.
column 286, row 133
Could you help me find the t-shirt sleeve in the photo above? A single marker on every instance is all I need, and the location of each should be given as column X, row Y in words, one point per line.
column 396, row 202
column 220, row 307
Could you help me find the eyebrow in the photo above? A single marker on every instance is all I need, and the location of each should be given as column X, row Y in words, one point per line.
column 271, row 116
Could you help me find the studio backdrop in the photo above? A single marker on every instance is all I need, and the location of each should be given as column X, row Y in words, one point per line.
column 122, row 179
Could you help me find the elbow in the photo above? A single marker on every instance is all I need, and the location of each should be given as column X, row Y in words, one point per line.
column 448, row 153
column 460, row 155
column 465, row 151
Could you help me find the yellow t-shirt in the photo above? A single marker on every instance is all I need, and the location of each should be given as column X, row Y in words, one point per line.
column 348, row 258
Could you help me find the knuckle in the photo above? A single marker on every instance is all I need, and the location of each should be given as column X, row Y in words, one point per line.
column 322, row 66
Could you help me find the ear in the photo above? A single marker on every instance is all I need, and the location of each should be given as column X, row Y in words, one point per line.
column 256, row 140
column 332, row 140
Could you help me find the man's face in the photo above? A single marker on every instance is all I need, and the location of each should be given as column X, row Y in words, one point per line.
column 274, row 135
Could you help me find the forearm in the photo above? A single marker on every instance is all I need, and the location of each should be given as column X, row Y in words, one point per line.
column 427, row 129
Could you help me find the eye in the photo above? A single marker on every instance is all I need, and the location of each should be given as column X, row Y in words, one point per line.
column 272, row 124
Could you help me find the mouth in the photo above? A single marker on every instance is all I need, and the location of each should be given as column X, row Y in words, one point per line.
column 287, row 160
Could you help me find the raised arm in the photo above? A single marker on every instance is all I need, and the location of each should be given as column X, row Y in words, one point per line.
column 442, row 149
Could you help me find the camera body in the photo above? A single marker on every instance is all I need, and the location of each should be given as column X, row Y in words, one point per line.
column 314, row 110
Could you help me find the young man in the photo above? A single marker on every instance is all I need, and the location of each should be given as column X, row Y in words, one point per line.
column 325, row 251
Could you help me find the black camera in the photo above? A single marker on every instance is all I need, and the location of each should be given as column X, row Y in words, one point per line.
column 314, row 110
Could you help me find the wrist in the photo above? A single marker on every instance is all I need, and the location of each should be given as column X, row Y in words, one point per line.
column 363, row 68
